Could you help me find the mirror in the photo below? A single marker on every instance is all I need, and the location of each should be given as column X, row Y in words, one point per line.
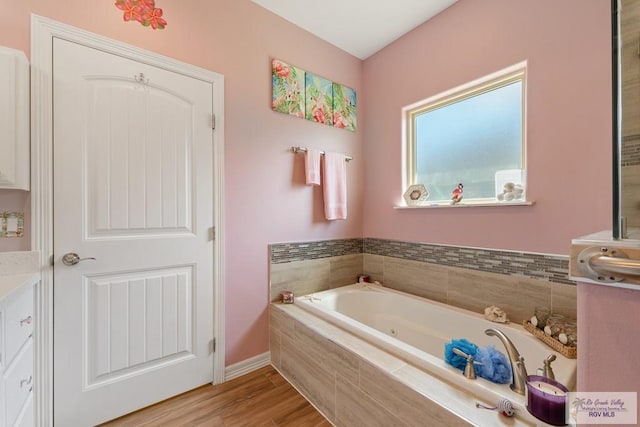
column 626, row 115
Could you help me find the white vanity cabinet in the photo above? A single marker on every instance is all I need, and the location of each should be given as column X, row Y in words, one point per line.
column 16, row 357
column 14, row 119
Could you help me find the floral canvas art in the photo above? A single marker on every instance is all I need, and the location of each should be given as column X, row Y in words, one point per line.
column 344, row 107
column 319, row 98
column 288, row 88
column 303, row 94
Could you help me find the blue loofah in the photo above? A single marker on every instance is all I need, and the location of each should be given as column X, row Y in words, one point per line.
column 494, row 365
column 458, row 361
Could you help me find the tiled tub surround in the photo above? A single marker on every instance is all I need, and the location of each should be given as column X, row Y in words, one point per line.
column 314, row 275
column 280, row 253
column 550, row 268
column 471, row 289
column 354, row 383
column 468, row 278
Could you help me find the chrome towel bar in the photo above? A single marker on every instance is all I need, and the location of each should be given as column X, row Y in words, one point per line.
column 304, row 150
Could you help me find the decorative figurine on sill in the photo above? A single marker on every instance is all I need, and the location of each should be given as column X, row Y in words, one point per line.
column 456, row 194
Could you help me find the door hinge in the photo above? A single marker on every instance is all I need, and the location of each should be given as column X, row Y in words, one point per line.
column 213, row 345
column 212, row 233
column 213, row 121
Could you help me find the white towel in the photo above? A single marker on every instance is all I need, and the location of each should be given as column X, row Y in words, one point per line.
column 312, row 166
column 335, row 186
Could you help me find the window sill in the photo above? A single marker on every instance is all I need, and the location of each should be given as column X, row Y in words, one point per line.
column 436, row 205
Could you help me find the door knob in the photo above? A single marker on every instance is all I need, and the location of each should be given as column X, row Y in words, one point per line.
column 72, row 258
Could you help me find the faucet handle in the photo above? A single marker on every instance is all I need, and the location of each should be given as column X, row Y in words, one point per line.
column 460, row 353
column 469, row 369
column 521, row 366
column 547, row 371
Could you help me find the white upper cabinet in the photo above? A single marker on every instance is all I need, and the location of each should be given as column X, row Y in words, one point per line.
column 14, row 119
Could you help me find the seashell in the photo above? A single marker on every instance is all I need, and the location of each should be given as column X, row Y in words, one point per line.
column 563, row 338
column 534, row 321
column 495, row 314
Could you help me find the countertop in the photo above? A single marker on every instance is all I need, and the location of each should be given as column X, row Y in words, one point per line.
column 12, row 282
column 17, row 269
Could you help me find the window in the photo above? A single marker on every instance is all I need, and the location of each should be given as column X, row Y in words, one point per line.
column 467, row 135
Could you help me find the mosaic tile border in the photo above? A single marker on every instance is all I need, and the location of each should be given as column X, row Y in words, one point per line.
column 552, row 268
column 301, row 251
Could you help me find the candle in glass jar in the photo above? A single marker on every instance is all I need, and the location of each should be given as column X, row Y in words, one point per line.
column 547, row 400
column 547, row 388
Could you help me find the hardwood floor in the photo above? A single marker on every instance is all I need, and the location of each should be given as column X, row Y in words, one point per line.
column 259, row 399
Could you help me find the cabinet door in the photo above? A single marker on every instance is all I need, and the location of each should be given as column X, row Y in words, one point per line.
column 27, row 415
column 14, row 119
column 19, row 323
column 18, row 381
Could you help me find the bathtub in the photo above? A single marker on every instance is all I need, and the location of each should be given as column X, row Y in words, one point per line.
column 416, row 329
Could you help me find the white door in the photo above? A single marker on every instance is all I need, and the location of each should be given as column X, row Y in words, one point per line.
column 133, row 188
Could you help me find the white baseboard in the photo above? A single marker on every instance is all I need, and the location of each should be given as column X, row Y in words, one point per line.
column 247, row 365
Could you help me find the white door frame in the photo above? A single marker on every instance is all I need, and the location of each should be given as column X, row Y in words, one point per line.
column 43, row 31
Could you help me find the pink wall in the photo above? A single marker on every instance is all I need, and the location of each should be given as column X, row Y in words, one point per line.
column 569, row 125
column 567, row 45
column 266, row 200
column 608, row 335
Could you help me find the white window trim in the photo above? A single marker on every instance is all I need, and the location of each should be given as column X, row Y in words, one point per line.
column 483, row 84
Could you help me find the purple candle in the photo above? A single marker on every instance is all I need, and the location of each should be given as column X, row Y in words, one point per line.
column 547, row 400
